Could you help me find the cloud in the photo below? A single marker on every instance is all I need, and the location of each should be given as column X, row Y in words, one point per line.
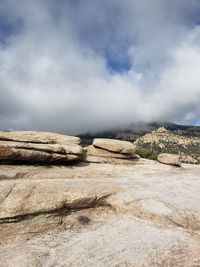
column 78, row 66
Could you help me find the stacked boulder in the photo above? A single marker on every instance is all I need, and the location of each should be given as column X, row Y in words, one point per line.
column 43, row 147
column 110, row 151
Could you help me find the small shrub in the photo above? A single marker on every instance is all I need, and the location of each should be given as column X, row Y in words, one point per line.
column 147, row 153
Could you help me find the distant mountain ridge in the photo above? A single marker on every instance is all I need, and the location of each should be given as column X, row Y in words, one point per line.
column 135, row 131
column 180, row 142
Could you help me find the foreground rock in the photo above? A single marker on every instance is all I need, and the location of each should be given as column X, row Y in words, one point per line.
column 39, row 147
column 100, row 215
column 110, row 151
column 170, row 159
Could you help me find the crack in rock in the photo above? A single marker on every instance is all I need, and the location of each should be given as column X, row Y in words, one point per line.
column 159, row 211
column 8, row 193
column 63, row 209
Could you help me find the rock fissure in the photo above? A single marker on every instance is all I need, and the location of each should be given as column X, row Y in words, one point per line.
column 18, row 175
column 28, row 142
column 64, row 209
column 126, row 155
column 139, row 209
column 8, row 193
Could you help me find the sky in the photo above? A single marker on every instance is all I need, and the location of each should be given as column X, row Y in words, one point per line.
column 76, row 66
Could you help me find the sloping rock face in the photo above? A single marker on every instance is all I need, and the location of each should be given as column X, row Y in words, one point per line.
column 100, row 215
column 110, row 151
column 39, row 147
column 170, row 159
column 164, row 141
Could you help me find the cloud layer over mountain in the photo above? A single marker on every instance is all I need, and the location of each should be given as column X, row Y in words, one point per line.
column 80, row 65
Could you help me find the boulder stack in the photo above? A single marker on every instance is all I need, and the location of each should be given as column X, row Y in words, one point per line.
column 43, row 147
column 110, row 151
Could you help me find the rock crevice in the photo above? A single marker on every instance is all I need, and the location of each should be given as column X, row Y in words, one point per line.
column 63, row 209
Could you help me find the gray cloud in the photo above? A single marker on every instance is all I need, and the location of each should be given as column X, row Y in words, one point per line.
column 56, row 63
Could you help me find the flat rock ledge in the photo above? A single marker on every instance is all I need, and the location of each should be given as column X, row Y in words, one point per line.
column 39, row 147
column 110, row 151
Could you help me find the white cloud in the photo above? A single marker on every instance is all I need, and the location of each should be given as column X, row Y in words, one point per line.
column 54, row 73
